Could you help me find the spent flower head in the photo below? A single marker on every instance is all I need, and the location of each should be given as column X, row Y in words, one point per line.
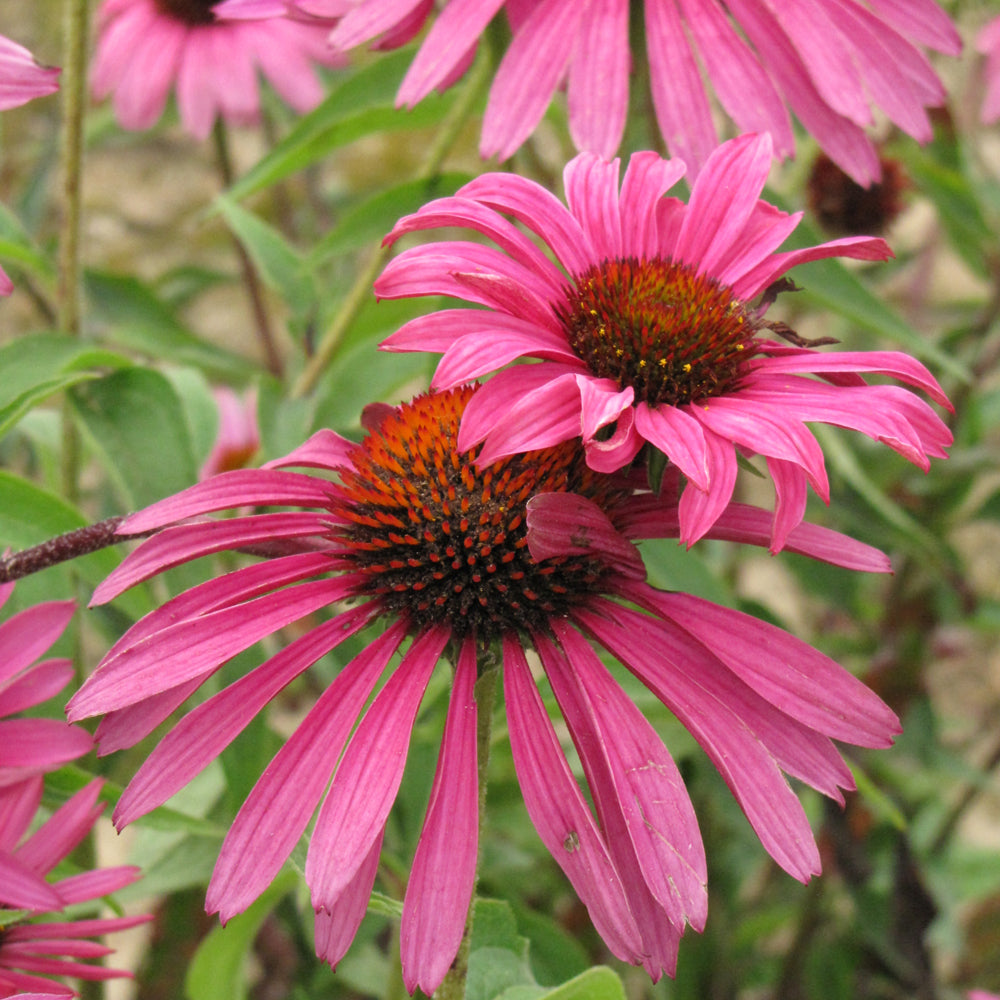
column 462, row 561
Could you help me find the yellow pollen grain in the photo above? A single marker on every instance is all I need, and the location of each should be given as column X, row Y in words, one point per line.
column 687, row 367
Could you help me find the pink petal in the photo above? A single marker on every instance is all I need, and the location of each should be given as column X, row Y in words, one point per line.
column 531, row 69
column 25, row 889
column 337, row 923
column 43, row 681
column 42, row 744
column 790, row 506
column 558, row 811
column 787, row 672
column 679, row 436
column 443, row 874
column 198, row 739
column 457, row 27
column 240, row 488
column 565, row 524
column 282, row 802
column 30, row 633
column 324, row 450
column 591, row 185
column 647, row 178
column 598, row 78
column 179, row 653
column 368, row 777
column 62, row 831
column 539, row 210
column 95, row 884
column 698, row 509
column 677, row 673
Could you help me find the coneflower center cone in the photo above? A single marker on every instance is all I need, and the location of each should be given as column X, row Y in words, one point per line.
column 440, row 541
column 188, row 11
column 656, row 325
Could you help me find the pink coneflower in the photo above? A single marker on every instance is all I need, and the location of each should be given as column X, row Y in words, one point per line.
column 32, row 746
column 828, row 61
column 645, row 330
column 145, row 47
column 21, row 77
column 238, row 435
column 418, row 535
column 33, row 950
column 988, row 42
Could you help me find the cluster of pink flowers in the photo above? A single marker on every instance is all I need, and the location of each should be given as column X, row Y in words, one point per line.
column 631, row 365
column 33, row 949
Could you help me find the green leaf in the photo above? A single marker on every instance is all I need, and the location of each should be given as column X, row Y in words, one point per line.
column 135, row 418
column 371, row 218
column 16, row 247
column 360, row 106
column 135, row 318
column 598, row 983
column 279, row 264
column 498, row 957
column 36, row 366
column 218, row 971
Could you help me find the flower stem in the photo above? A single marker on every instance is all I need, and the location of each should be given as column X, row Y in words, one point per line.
column 358, row 294
column 251, row 281
column 73, row 86
column 453, row 985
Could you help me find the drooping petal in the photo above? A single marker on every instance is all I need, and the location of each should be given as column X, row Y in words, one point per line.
column 439, row 890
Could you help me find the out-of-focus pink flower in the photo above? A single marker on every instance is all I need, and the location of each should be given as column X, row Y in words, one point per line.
column 238, row 437
column 988, row 42
column 33, row 950
column 644, row 328
column 32, row 746
column 21, row 77
column 827, row 61
column 147, row 47
column 531, row 552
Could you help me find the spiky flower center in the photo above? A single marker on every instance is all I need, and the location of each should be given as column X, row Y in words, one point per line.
column 673, row 335
column 188, row 11
column 440, row 541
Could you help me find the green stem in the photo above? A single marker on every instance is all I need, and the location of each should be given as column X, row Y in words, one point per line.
column 251, row 281
column 74, row 105
column 453, row 986
column 451, row 128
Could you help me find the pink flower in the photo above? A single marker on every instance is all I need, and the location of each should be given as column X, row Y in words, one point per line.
column 415, row 534
column 32, row 951
column 238, row 436
column 644, row 328
column 988, row 42
column 827, row 61
column 144, row 47
column 33, row 746
column 21, row 78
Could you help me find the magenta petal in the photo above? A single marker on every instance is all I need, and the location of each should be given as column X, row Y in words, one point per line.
column 282, row 802
column 647, row 178
column 208, row 729
column 677, row 673
column 25, row 889
column 562, row 524
column 241, row 488
column 443, row 874
column 659, row 817
column 538, row 209
column 95, row 884
column 337, row 923
column 559, row 812
column 324, row 450
column 42, row 744
column 43, row 681
column 698, row 509
column 528, row 75
column 172, row 546
column 368, row 777
column 592, row 196
column 18, row 804
column 175, row 655
column 679, row 436
column 787, row 672
column 598, row 78
column 615, row 452
column 63, row 830
column 790, row 500
column 126, row 726
column 601, row 403
column 27, row 635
